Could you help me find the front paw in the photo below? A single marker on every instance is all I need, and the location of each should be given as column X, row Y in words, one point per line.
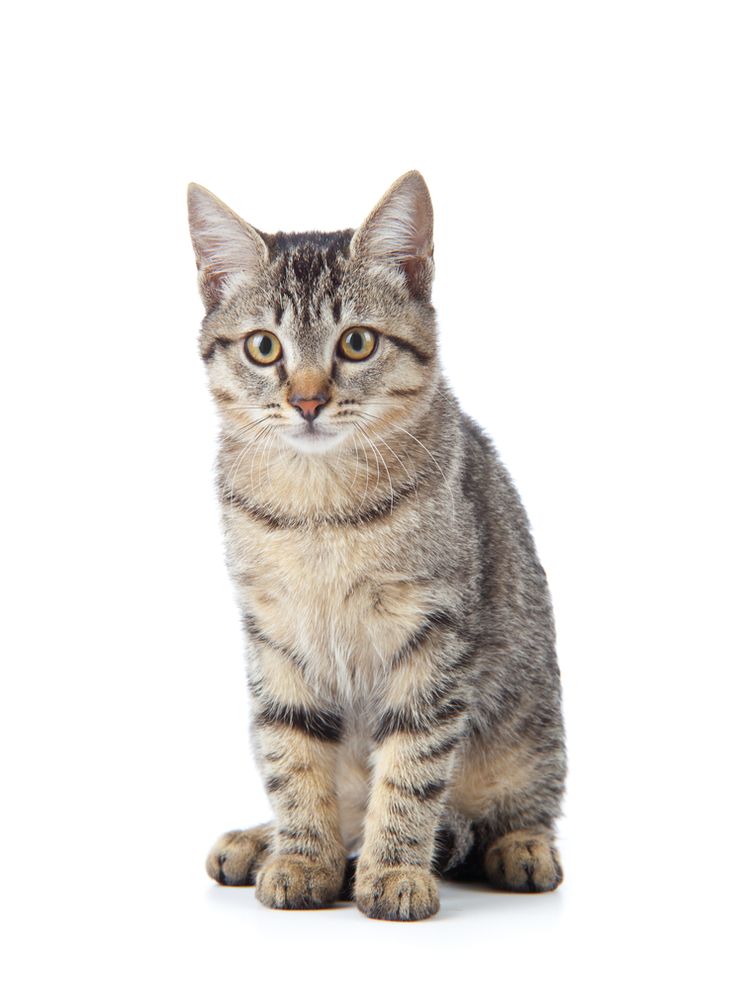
column 396, row 893
column 289, row 882
column 236, row 856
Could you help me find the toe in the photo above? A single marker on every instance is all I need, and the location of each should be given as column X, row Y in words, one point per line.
column 236, row 856
column 287, row 882
column 401, row 893
column 524, row 862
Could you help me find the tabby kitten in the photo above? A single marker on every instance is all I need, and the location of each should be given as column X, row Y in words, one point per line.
column 400, row 640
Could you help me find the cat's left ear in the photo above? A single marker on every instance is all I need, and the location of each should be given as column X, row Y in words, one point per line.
column 398, row 233
column 229, row 251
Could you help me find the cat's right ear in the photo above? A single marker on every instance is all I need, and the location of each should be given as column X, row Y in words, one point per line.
column 229, row 251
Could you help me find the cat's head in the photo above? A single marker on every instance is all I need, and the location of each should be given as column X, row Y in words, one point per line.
column 317, row 335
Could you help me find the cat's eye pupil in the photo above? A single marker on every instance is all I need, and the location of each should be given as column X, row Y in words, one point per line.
column 263, row 348
column 357, row 344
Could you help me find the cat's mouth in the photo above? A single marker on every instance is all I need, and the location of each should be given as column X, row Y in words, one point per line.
column 312, row 437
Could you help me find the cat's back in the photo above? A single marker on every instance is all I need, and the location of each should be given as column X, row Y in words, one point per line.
column 514, row 583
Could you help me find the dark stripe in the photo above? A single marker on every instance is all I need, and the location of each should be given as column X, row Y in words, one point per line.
column 301, row 834
column 322, row 725
column 403, row 344
column 278, row 313
column 444, row 848
column 296, row 302
column 392, row 834
column 399, row 856
column 461, row 661
column 348, row 883
column 393, row 722
column 404, row 392
column 303, row 841
column 276, row 783
column 260, row 514
column 337, row 310
column 255, row 687
column 442, row 748
column 222, row 396
column 255, row 632
column 209, row 351
column 437, row 619
column 398, row 845
column 450, row 710
column 406, row 720
column 425, row 791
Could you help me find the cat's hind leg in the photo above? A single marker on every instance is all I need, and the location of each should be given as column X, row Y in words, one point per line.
column 511, row 787
column 236, row 856
column 523, row 861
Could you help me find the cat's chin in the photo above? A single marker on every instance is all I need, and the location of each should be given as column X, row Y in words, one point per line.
column 318, row 440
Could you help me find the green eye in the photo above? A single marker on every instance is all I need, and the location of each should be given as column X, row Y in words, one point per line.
column 263, row 347
column 357, row 343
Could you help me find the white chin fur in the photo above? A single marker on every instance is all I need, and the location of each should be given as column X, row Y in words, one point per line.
column 316, row 442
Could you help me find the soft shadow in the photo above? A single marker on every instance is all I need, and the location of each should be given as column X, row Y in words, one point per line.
column 242, row 898
column 463, row 898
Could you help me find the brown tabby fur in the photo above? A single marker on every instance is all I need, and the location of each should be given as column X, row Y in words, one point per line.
column 400, row 640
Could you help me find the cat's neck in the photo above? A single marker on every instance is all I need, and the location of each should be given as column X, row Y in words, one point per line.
column 369, row 472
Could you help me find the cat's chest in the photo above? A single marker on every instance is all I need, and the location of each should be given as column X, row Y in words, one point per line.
column 341, row 596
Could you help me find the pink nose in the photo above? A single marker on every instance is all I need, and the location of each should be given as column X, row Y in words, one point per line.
column 308, row 407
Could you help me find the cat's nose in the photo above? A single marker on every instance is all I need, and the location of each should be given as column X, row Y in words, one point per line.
column 309, row 408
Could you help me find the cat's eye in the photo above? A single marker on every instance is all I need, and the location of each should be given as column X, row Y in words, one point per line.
column 263, row 347
column 357, row 343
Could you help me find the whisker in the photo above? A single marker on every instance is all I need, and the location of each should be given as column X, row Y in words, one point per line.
column 268, row 460
column 367, row 472
column 246, row 446
column 263, row 461
column 355, row 472
column 429, row 453
column 388, row 472
column 393, row 452
column 262, row 432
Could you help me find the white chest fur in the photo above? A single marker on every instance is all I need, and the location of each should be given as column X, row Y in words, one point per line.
column 339, row 596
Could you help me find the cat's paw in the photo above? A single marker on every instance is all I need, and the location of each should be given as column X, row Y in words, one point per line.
column 396, row 893
column 289, row 882
column 237, row 856
column 523, row 862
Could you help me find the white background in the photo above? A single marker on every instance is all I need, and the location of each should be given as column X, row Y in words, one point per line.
column 582, row 162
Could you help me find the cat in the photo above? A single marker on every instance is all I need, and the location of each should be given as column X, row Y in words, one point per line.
column 398, row 625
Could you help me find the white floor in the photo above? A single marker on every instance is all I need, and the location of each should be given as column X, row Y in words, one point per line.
column 164, row 925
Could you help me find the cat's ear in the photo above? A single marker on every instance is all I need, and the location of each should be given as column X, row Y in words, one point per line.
column 399, row 233
column 229, row 251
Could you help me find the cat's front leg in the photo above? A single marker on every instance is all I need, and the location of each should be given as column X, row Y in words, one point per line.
column 416, row 733
column 296, row 738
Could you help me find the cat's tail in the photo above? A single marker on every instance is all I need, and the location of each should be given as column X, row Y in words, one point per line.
column 454, row 845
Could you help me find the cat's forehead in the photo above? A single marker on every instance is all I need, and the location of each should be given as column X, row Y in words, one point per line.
column 307, row 273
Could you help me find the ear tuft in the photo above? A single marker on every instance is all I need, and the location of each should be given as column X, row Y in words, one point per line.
column 225, row 246
column 399, row 233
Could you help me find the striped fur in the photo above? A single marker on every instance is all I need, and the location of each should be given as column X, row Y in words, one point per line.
column 400, row 639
